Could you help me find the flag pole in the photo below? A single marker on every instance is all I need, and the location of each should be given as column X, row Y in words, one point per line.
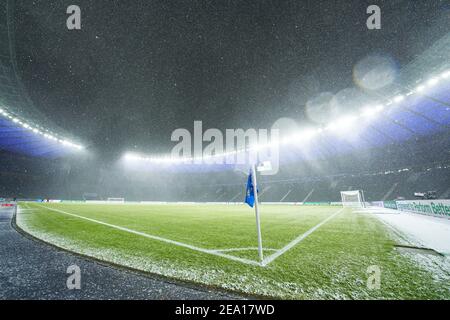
column 258, row 225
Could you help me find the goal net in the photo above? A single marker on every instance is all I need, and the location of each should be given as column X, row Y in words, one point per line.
column 353, row 198
column 116, row 200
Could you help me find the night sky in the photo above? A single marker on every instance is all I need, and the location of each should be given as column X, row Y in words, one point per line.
column 137, row 70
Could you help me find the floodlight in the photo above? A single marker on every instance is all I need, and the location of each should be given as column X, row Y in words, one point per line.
column 399, row 98
column 368, row 112
column 286, row 140
column 131, row 156
column 379, row 107
column 256, row 147
column 432, row 82
column 420, row 88
column 39, row 130
column 342, row 123
column 445, row 74
column 292, row 138
column 331, row 126
column 307, row 134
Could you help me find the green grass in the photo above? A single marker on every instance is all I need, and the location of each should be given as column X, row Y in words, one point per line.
column 331, row 263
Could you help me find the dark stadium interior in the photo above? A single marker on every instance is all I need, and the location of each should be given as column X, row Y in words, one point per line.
column 90, row 87
column 252, row 150
column 418, row 166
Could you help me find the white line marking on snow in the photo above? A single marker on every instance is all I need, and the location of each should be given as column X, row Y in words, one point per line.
column 146, row 235
column 297, row 240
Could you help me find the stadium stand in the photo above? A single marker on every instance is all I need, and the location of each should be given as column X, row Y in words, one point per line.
column 403, row 152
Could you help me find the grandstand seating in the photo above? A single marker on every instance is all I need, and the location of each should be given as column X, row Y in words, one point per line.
column 383, row 174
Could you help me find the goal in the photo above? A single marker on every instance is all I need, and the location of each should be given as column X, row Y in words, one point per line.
column 352, row 198
column 116, row 200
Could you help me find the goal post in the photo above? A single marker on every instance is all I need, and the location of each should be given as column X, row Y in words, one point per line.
column 116, row 200
column 352, row 198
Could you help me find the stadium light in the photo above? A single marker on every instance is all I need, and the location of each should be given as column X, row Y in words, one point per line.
column 307, row 134
column 445, row 74
column 286, row 140
column 432, row 82
column 420, row 88
column 371, row 111
column 399, row 98
column 368, row 112
column 256, row 147
column 348, row 120
column 42, row 131
column 379, row 107
column 341, row 124
column 131, row 156
column 331, row 126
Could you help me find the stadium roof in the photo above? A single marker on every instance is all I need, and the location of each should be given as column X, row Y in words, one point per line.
column 23, row 128
column 417, row 104
column 412, row 113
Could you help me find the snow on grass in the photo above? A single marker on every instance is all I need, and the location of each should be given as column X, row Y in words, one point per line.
column 204, row 275
column 430, row 232
column 329, row 264
column 423, row 232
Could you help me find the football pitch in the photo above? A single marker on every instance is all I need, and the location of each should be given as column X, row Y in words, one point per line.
column 310, row 252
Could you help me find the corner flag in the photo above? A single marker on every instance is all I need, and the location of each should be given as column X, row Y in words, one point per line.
column 251, row 198
column 250, row 191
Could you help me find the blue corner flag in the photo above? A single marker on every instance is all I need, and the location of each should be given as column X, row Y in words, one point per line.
column 250, row 192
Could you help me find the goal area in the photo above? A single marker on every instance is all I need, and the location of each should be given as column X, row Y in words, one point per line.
column 352, row 198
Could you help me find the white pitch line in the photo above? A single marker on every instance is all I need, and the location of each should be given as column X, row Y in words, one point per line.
column 146, row 235
column 297, row 240
column 241, row 249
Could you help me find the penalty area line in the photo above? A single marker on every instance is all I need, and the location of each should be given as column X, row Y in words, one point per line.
column 297, row 240
column 153, row 237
